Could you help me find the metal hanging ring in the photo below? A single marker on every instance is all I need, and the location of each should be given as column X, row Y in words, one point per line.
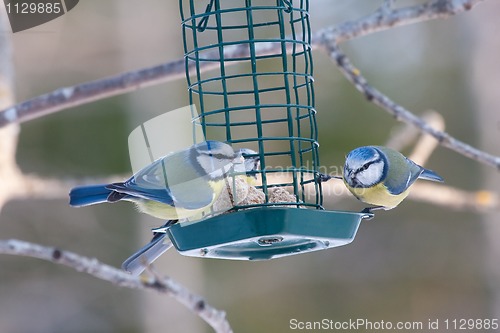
column 204, row 21
column 288, row 6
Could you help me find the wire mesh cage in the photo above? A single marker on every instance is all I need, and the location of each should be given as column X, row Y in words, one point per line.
column 264, row 102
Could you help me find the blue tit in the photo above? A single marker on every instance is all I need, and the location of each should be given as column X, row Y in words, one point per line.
column 177, row 186
column 251, row 164
column 381, row 176
column 160, row 243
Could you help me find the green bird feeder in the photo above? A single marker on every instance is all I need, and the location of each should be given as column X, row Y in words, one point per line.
column 249, row 70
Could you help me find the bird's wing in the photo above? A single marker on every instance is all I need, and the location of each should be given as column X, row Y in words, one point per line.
column 133, row 190
column 401, row 172
column 170, row 180
column 415, row 171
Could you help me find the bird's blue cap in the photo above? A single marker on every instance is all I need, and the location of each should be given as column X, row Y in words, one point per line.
column 363, row 153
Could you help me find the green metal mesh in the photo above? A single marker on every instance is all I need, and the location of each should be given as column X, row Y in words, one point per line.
column 264, row 102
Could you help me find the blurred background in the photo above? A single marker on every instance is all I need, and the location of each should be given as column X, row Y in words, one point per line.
column 414, row 263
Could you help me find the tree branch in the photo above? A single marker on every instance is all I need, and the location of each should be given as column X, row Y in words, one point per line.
column 453, row 198
column 123, row 83
column 165, row 285
column 17, row 185
column 68, row 97
column 386, row 18
column 382, row 19
column 399, row 112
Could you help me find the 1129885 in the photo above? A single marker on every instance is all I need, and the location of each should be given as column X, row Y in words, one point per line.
column 34, row 8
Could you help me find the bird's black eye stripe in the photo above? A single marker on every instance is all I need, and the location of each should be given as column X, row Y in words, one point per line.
column 366, row 166
column 218, row 156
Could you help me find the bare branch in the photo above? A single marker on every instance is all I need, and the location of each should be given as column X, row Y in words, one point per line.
column 384, row 19
column 399, row 112
column 123, row 83
column 165, row 285
column 32, row 186
column 426, row 192
column 23, row 186
column 406, row 134
column 450, row 197
column 8, row 134
column 426, row 144
column 68, row 97
column 15, row 184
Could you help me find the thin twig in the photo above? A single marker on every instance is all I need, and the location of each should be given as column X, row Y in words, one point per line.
column 17, row 185
column 453, row 198
column 123, row 83
column 431, row 193
column 64, row 98
column 425, row 144
column 68, row 97
column 399, row 112
column 382, row 19
column 164, row 285
column 8, row 134
column 386, row 18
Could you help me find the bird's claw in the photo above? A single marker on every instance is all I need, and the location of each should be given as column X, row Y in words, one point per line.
column 368, row 211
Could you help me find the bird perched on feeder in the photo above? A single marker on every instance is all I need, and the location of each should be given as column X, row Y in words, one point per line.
column 160, row 243
column 381, row 176
column 177, row 186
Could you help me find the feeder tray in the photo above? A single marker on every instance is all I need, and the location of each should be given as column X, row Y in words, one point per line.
column 265, row 233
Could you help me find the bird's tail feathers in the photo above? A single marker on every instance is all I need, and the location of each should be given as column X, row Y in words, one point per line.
column 88, row 195
column 431, row 175
column 146, row 255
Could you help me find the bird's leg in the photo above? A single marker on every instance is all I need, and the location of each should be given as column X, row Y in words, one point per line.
column 369, row 210
column 322, row 177
column 163, row 228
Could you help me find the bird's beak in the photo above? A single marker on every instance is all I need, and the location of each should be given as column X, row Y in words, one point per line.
column 349, row 176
